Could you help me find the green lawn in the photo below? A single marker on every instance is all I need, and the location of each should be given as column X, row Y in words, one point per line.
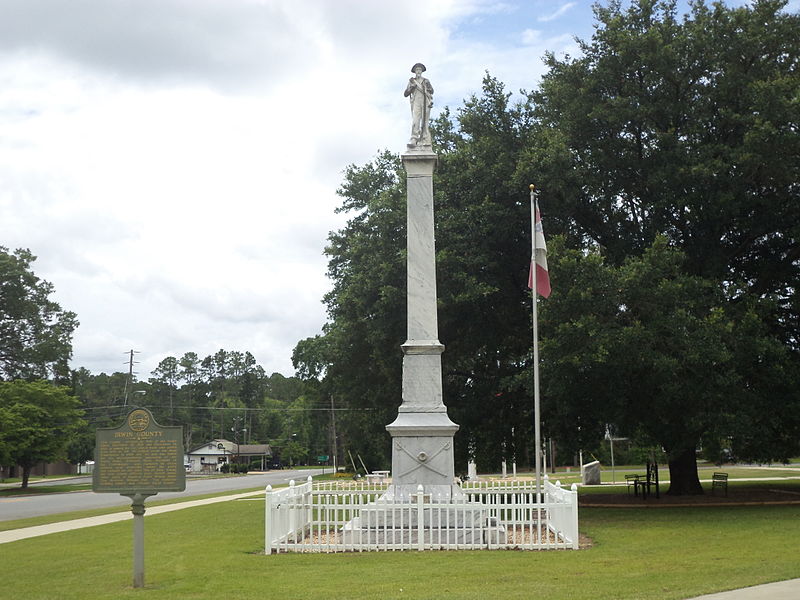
column 38, row 478
column 214, row 552
column 63, row 486
column 704, row 472
column 44, row 489
column 80, row 514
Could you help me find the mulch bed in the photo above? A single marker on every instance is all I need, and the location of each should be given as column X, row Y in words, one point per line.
column 734, row 497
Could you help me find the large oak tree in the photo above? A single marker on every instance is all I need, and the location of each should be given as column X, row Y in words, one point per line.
column 35, row 332
column 687, row 128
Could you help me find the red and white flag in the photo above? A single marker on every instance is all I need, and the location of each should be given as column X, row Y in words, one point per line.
column 540, row 259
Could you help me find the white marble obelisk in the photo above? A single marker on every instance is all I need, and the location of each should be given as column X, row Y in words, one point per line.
column 422, row 434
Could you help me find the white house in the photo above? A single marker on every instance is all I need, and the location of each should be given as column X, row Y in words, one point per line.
column 210, row 456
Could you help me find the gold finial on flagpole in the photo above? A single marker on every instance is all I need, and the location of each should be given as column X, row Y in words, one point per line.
column 532, row 187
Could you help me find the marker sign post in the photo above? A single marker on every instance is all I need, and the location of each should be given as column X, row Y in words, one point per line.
column 138, row 459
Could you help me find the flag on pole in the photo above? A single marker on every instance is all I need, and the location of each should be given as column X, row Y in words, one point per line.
column 540, row 251
column 538, row 278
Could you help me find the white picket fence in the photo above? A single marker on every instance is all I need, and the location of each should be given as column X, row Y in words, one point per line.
column 322, row 517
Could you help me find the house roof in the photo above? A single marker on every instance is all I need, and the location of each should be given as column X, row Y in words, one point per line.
column 232, row 448
column 254, row 449
column 204, row 447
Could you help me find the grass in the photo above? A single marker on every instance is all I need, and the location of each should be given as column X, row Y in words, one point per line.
column 38, row 478
column 45, row 489
column 80, row 514
column 791, row 485
column 214, row 552
column 704, row 472
column 60, row 488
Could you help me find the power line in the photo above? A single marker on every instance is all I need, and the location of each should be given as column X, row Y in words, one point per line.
column 244, row 408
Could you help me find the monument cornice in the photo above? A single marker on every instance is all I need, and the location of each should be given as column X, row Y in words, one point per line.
column 419, row 163
column 422, row 347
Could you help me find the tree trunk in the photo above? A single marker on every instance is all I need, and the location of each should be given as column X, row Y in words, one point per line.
column 683, row 479
column 26, row 474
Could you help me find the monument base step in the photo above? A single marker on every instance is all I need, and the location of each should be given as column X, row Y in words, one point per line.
column 354, row 534
column 448, row 518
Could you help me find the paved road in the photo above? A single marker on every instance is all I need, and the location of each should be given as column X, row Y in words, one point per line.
column 22, row 507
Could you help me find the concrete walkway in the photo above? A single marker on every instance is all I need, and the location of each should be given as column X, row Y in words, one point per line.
column 13, row 535
column 780, row 590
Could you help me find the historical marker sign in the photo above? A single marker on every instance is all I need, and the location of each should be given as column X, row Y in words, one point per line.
column 139, row 459
column 139, row 456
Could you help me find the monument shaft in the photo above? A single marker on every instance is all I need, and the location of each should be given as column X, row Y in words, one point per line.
column 422, row 434
column 421, row 278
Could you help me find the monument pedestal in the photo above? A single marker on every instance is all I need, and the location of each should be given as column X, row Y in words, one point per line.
column 436, row 515
column 422, row 433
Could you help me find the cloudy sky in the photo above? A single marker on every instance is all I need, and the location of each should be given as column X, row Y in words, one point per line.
column 173, row 163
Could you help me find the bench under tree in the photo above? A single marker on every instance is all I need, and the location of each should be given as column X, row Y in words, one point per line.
column 719, row 480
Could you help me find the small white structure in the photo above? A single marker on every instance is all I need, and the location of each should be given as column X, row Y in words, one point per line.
column 210, row 456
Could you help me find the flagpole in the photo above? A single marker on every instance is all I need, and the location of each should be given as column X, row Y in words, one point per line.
column 536, row 413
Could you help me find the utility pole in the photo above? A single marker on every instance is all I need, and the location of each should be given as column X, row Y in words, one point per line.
column 333, row 433
column 237, row 429
column 129, row 380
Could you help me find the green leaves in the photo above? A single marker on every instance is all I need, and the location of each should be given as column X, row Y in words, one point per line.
column 671, row 149
column 670, row 128
column 35, row 333
column 37, row 420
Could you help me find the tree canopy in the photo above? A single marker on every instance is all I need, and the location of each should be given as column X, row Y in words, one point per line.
column 687, row 129
column 684, row 132
column 38, row 421
column 223, row 395
column 35, row 332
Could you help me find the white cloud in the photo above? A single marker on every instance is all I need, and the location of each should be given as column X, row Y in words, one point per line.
column 531, row 37
column 559, row 12
column 174, row 163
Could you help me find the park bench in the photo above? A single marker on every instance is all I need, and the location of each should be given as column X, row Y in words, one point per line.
column 719, row 480
column 633, row 482
column 377, row 476
column 645, row 484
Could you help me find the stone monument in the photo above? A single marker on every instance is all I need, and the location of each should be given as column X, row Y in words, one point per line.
column 422, row 433
column 591, row 473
